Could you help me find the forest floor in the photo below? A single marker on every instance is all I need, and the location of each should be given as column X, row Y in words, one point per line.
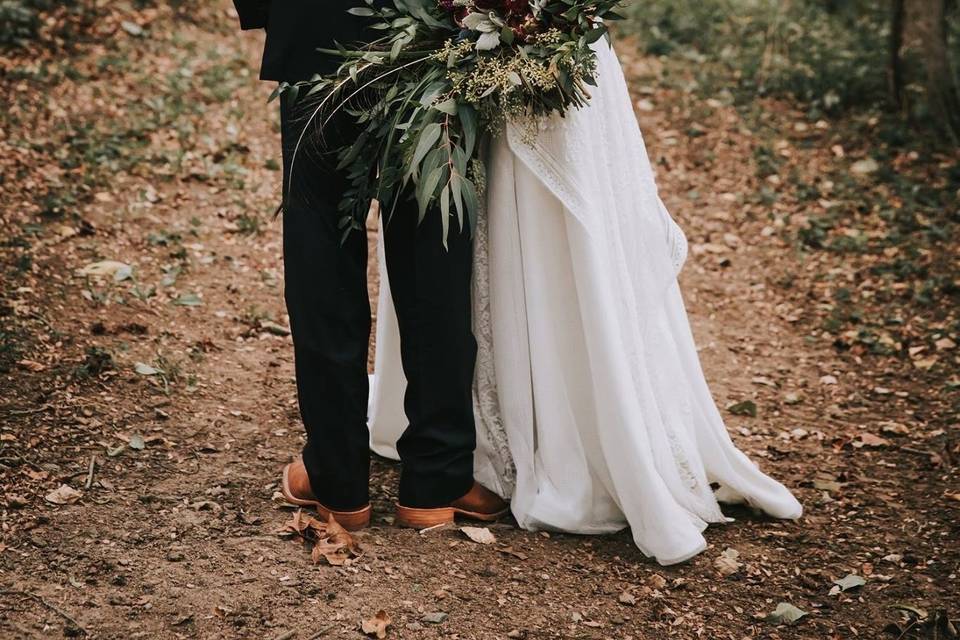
column 156, row 400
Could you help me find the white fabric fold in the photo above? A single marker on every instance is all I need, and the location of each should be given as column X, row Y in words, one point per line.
column 592, row 410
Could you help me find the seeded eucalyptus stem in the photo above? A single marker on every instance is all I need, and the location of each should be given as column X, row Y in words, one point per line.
column 446, row 77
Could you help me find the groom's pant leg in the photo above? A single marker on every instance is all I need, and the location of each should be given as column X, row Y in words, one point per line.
column 431, row 293
column 326, row 295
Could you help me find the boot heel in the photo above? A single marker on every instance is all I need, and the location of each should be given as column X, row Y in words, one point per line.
column 423, row 518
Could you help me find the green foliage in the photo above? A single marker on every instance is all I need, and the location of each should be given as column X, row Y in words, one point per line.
column 21, row 20
column 831, row 54
column 438, row 85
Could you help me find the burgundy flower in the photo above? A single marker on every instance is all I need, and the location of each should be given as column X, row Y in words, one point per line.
column 524, row 26
column 517, row 7
column 488, row 5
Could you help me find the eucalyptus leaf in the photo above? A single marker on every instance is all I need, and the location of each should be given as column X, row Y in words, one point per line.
column 395, row 88
column 445, row 213
column 456, row 190
column 468, row 119
column 429, row 186
column 428, row 138
column 593, row 35
column 447, row 106
column 471, row 201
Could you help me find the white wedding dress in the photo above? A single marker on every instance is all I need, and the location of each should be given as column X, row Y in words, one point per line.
column 592, row 410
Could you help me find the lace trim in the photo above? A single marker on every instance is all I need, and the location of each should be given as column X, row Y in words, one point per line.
column 676, row 241
column 486, row 401
column 541, row 163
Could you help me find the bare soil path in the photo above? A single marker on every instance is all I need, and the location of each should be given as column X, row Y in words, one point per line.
column 176, row 460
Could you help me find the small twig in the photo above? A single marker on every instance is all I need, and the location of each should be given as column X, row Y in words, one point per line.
column 35, row 597
column 914, row 622
column 919, row 452
column 322, row 632
column 28, row 412
column 90, row 472
column 14, row 456
column 286, row 635
column 435, row 527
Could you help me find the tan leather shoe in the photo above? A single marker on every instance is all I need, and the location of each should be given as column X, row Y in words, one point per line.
column 478, row 504
column 295, row 488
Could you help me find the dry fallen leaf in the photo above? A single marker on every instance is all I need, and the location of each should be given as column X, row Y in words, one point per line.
column 657, row 581
column 727, row 563
column 627, row 598
column 827, row 485
column 894, row 428
column 926, row 363
column 107, row 268
column 435, row 617
column 945, row 344
column 870, row 440
column 377, row 625
column 510, row 551
column 32, row 365
column 480, row 535
column 785, row 613
column 64, row 494
column 848, row 582
column 330, row 540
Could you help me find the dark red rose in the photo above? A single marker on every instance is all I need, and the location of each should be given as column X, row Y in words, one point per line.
column 524, row 26
column 517, row 7
column 488, row 5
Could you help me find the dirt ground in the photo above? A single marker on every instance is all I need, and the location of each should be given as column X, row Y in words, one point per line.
column 163, row 396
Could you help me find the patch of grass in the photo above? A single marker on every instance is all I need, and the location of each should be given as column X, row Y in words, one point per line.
column 829, row 55
column 23, row 23
column 249, row 225
column 221, row 81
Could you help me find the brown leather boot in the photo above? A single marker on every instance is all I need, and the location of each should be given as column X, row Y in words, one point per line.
column 295, row 488
column 478, row 504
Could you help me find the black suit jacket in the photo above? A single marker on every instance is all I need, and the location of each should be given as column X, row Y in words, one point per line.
column 296, row 29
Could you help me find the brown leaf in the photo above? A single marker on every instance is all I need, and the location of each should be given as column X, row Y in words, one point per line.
column 870, row 440
column 31, row 365
column 480, row 535
column 728, row 562
column 510, row 551
column 657, row 581
column 377, row 625
column 894, row 428
column 330, row 540
column 64, row 494
column 925, row 363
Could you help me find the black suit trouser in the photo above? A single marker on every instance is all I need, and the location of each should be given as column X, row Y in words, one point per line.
column 326, row 296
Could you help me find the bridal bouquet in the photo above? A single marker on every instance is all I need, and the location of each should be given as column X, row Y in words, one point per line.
column 442, row 79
